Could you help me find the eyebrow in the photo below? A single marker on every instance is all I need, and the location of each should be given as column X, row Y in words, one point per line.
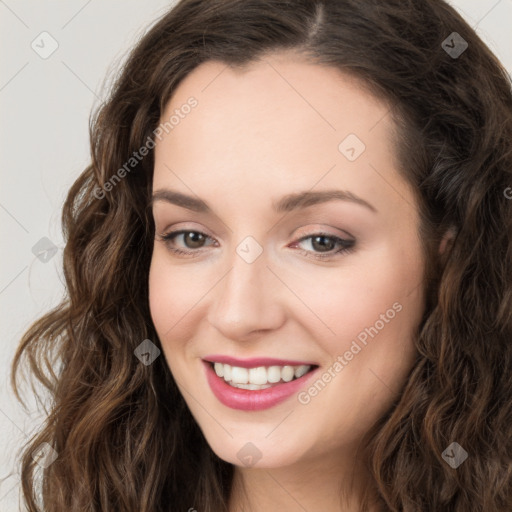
column 288, row 203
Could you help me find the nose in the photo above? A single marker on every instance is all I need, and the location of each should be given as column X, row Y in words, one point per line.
column 248, row 300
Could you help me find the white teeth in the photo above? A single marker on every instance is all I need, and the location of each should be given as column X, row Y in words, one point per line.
column 258, row 375
column 239, row 375
column 252, row 387
column 261, row 377
column 287, row 373
column 301, row 370
column 219, row 369
column 274, row 374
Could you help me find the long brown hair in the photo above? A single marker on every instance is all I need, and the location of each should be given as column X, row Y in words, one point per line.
column 124, row 437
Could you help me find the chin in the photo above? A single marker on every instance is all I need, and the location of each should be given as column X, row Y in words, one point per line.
column 257, row 452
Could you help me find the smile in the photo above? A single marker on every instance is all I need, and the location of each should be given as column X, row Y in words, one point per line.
column 259, row 378
column 258, row 387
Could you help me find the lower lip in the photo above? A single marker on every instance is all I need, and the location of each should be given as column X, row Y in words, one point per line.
column 257, row 400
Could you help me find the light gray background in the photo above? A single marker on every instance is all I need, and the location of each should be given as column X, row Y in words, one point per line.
column 45, row 107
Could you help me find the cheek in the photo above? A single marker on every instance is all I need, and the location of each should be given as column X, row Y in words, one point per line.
column 169, row 296
column 168, row 307
column 175, row 302
column 380, row 297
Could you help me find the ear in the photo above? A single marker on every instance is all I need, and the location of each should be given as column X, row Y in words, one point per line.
column 447, row 240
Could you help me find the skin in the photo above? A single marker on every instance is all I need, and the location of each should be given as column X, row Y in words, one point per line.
column 255, row 136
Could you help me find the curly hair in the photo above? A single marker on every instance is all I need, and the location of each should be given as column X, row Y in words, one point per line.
column 112, row 417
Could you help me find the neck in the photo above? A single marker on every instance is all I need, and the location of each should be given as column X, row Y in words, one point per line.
column 326, row 484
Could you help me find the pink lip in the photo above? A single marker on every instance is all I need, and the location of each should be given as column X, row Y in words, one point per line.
column 247, row 400
column 255, row 361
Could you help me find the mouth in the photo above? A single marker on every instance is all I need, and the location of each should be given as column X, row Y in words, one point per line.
column 255, row 378
column 254, row 386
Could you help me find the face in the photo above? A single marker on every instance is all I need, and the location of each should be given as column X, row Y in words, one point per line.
column 250, row 271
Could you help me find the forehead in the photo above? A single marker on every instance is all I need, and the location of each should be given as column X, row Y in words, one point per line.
column 280, row 124
column 280, row 90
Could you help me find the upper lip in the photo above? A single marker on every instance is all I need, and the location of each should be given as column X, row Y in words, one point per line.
column 255, row 362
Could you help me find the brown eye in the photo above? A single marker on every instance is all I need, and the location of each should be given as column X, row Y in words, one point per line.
column 192, row 240
column 323, row 245
column 319, row 243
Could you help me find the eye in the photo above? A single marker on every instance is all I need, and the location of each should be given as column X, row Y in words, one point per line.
column 322, row 244
column 194, row 240
column 325, row 243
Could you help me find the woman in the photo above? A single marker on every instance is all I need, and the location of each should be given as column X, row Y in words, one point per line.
column 289, row 268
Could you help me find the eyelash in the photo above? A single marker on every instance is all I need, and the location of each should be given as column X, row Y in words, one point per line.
column 347, row 246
